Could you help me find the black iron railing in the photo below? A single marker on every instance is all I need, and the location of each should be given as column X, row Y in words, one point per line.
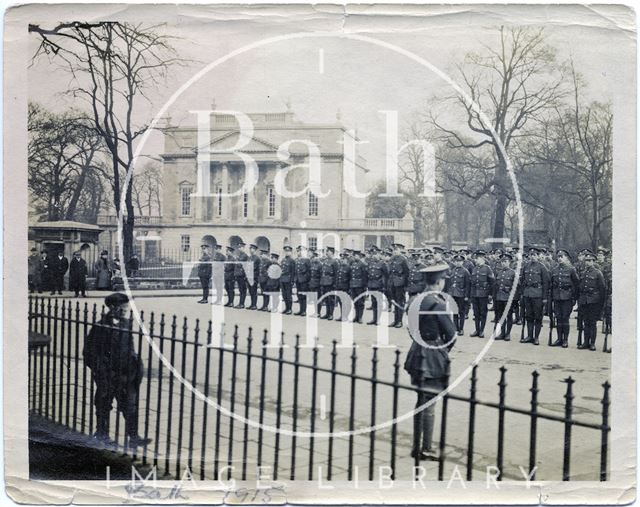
column 301, row 410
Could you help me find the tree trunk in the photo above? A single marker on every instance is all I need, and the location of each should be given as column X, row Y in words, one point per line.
column 501, row 200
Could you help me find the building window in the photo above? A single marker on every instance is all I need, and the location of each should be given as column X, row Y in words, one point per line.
column 219, row 201
column 312, row 207
column 245, row 204
column 185, row 243
column 271, row 194
column 312, row 242
column 185, row 200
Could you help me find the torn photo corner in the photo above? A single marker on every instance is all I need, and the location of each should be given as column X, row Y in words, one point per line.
column 379, row 254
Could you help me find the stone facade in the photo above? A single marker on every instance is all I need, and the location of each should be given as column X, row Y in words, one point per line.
column 261, row 215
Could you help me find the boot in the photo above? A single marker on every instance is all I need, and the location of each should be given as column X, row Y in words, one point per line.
column 476, row 332
column 483, row 322
column 538, row 328
column 565, row 336
column 529, row 325
column 560, row 333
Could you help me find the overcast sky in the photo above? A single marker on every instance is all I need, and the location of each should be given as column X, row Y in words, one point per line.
column 355, row 77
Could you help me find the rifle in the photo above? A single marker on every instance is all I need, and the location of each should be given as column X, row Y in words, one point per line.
column 524, row 320
column 551, row 325
column 579, row 326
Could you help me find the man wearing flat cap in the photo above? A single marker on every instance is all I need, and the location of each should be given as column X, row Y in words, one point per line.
column 117, row 369
column 459, row 287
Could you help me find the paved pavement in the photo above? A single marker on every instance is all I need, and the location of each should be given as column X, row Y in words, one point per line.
column 588, row 369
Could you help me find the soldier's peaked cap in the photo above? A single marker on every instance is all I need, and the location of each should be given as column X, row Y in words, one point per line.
column 262, row 250
column 438, row 249
column 435, row 268
column 240, row 243
column 301, row 247
column 34, row 249
column 275, row 256
column 480, row 253
column 230, row 248
column 506, row 256
column 603, row 249
column 116, row 299
column 330, row 249
column 590, row 255
column 218, row 246
column 253, row 245
column 458, row 257
column 397, row 245
column 104, row 252
column 287, row 248
column 562, row 251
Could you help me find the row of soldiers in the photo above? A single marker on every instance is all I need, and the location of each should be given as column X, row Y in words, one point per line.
column 547, row 285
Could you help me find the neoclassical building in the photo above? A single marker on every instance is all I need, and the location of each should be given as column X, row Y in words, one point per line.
column 261, row 215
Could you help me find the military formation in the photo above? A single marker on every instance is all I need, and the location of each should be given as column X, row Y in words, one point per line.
column 551, row 284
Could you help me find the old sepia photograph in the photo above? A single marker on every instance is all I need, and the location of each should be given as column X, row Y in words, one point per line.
column 320, row 254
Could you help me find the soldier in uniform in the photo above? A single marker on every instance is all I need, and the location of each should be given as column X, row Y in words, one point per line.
column 253, row 286
column 534, row 282
column 505, row 279
column 460, row 290
column 229, row 276
column 376, row 280
column 273, row 281
column 428, row 361
column 398, row 277
column 204, row 272
column 416, row 280
column 117, row 369
column 564, row 293
column 239, row 275
column 358, row 284
column 328, row 280
column 482, row 281
column 604, row 260
column 592, row 293
column 343, row 279
column 287, row 278
column 218, row 256
column 263, row 278
column 303, row 275
column 315, row 273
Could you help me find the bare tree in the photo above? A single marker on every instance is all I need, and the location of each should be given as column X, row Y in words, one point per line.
column 575, row 141
column 147, row 189
column 62, row 152
column 113, row 65
column 512, row 83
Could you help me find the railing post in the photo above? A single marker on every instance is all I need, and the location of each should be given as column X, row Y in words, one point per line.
column 604, row 445
column 314, row 391
column 170, row 414
column 534, row 424
column 352, row 403
column 194, row 380
column 443, row 437
column 568, row 411
column 394, row 427
column 372, row 433
column 247, row 404
column 234, row 366
column 334, row 354
column 276, row 457
column 502, row 384
column 294, row 429
column 472, row 421
column 263, row 373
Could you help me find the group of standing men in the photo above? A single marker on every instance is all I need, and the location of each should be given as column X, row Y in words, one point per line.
column 548, row 285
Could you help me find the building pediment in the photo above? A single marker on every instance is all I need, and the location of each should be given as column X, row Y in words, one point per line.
column 230, row 140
